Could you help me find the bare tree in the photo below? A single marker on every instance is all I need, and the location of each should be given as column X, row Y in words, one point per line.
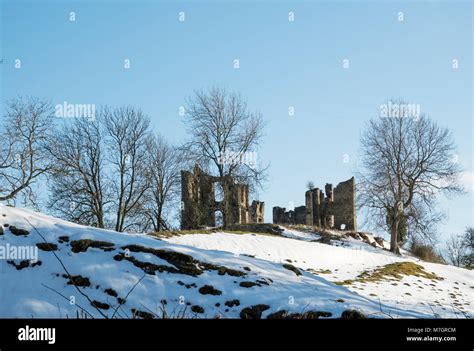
column 26, row 133
column 78, row 190
column 468, row 243
column 127, row 130
column 406, row 163
column 164, row 162
column 456, row 250
column 225, row 136
column 310, row 185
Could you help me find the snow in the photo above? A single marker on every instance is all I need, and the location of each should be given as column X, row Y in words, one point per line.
column 347, row 262
column 30, row 292
column 297, row 234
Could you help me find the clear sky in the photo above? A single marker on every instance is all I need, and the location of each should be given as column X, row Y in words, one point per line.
column 282, row 63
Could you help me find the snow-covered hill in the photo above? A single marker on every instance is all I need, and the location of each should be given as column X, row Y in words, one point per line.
column 441, row 291
column 82, row 270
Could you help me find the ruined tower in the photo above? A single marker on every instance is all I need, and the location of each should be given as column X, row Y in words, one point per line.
column 200, row 208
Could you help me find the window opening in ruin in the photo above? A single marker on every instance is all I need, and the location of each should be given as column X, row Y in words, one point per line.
column 218, row 192
column 218, row 218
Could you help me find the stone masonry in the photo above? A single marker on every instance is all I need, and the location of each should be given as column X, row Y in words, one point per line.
column 199, row 206
column 333, row 208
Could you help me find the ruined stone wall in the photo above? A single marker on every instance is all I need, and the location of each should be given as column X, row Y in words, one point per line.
column 206, row 197
column 333, row 208
column 300, row 215
column 279, row 214
column 257, row 210
column 189, row 201
column 313, row 200
column 309, row 208
column 296, row 216
column 243, row 203
column 199, row 206
column 344, row 209
column 197, row 200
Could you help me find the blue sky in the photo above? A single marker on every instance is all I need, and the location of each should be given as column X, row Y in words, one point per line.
column 282, row 64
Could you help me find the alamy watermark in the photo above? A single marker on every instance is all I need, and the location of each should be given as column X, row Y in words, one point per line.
column 18, row 252
column 67, row 110
column 233, row 158
column 400, row 110
column 37, row 334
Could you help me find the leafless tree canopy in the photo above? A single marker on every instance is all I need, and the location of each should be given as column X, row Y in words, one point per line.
column 469, row 244
column 78, row 180
column 225, row 136
column 127, row 131
column 26, row 132
column 407, row 163
column 113, row 173
column 460, row 249
column 456, row 250
column 165, row 162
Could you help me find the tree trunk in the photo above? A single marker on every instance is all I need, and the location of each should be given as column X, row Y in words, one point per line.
column 394, row 235
column 100, row 220
column 226, row 199
column 158, row 220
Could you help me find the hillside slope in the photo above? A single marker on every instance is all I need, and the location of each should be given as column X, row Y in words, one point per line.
column 121, row 275
column 439, row 290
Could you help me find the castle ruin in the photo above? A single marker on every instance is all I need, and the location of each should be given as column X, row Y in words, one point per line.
column 333, row 208
column 200, row 207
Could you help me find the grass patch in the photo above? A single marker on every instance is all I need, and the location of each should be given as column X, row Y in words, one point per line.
column 141, row 314
column 185, row 264
column 395, row 271
column 352, row 314
column 232, row 303
column 259, row 228
column 188, row 286
column 111, row 292
column 77, row 280
column 264, row 281
column 319, row 271
column 83, row 244
column 23, row 264
column 247, row 284
column 147, row 267
column 101, row 305
column 171, row 233
column 253, row 312
column 209, row 290
column 47, row 246
column 283, row 314
column 197, row 309
column 292, row 268
column 18, row 231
